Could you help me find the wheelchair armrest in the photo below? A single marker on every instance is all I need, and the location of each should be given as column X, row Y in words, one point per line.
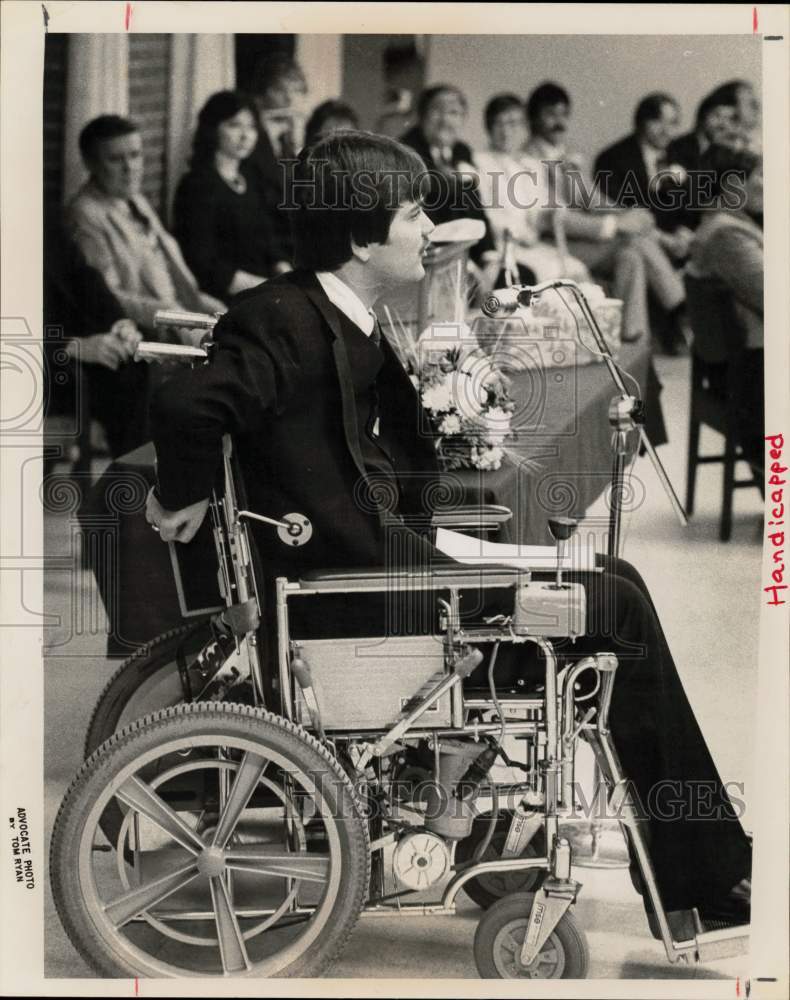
column 444, row 573
column 480, row 517
column 154, row 352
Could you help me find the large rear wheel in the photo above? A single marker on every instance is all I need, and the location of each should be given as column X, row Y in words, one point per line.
column 263, row 874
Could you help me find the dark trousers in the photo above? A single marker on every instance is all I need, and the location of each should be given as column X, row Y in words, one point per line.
column 697, row 845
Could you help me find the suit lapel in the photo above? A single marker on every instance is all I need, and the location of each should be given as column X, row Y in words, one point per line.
column 317, row 296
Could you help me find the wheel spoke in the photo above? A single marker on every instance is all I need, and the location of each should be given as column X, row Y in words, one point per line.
column 232, row 949
column 265, row 860
column 143, row 897
column 140, row 796
column 247, row 777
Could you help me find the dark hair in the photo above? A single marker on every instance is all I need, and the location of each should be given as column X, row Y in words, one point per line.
column 724, row 96
column 100, row 130
column 271, row 70
column 649, row 108
column 428, row 96
column 544, row 96
column 347, row 186
column 217, row 109
column 498, row 105
column 723, row 162
column 322, row 114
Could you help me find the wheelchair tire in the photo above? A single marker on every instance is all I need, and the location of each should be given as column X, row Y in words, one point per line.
column 500, row 935
column 146, row 682
column 485, row 890
column 145, row 919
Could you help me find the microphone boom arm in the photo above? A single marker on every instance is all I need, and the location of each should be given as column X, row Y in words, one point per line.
column 622, row 418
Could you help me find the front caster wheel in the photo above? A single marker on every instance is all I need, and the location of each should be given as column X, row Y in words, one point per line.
column 500, row 936
column 262, row 874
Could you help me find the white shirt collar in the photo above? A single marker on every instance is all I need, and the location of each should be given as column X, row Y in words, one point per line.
column 347, row 301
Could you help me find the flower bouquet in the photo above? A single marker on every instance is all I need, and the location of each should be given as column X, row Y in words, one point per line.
column 465, row 396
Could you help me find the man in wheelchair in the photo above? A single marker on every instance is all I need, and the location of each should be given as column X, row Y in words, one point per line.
column 326, row 422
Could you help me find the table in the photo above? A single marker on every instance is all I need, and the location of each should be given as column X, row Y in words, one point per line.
column 559, row 465
column 561, row 459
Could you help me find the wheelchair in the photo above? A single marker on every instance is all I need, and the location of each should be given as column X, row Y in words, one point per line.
column 244, row 801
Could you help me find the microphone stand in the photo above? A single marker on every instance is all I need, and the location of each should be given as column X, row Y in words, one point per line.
column 626, row 414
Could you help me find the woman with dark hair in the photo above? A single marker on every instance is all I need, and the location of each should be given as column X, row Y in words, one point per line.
column 330, row 116
column 219, row 216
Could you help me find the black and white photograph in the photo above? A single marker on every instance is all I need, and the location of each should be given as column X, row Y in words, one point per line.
column 394, row 446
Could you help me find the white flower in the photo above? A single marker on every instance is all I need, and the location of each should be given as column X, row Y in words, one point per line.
column 451, row 424
column 488, row 459
column 438, row 397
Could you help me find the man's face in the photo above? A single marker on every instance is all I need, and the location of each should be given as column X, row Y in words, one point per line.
column 551, row 123
column 118, row 165
column 720, row 125
column 509, row 131
column 659, row 132
column 399, row 261
column 443, row 119
column 288, row 93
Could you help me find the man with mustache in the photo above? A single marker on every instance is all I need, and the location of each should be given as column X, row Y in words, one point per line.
column 619, row 245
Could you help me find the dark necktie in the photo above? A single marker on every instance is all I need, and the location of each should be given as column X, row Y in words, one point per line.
column 139, row 217
column 376, row 334
column 286, row 146
column 373, row 422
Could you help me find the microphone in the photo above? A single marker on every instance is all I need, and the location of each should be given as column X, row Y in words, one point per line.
column 505, row 301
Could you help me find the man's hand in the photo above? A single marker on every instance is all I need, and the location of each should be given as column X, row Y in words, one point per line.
column 678, row 243
column 105, row 349
column 635, row 222
column 175, row 525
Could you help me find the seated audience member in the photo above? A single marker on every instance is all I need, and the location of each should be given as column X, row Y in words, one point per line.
column 279, row 92
column 119, row 232
column 718, row 122
column 450, row 189
column 728, row 249
column 330, row 116
column 635, row 171
column 619, row 246
column 516, row 199
column 219, row 217
column 83, row 319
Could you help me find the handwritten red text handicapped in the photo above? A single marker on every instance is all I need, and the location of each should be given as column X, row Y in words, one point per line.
column 775, row 523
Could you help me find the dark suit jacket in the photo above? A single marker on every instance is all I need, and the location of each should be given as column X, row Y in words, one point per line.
column 282, row 384
column 622, row 176
column 686, row 152
column 446, row 198
column 271, row 178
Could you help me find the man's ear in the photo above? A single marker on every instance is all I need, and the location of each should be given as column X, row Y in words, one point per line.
column 362, row 253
